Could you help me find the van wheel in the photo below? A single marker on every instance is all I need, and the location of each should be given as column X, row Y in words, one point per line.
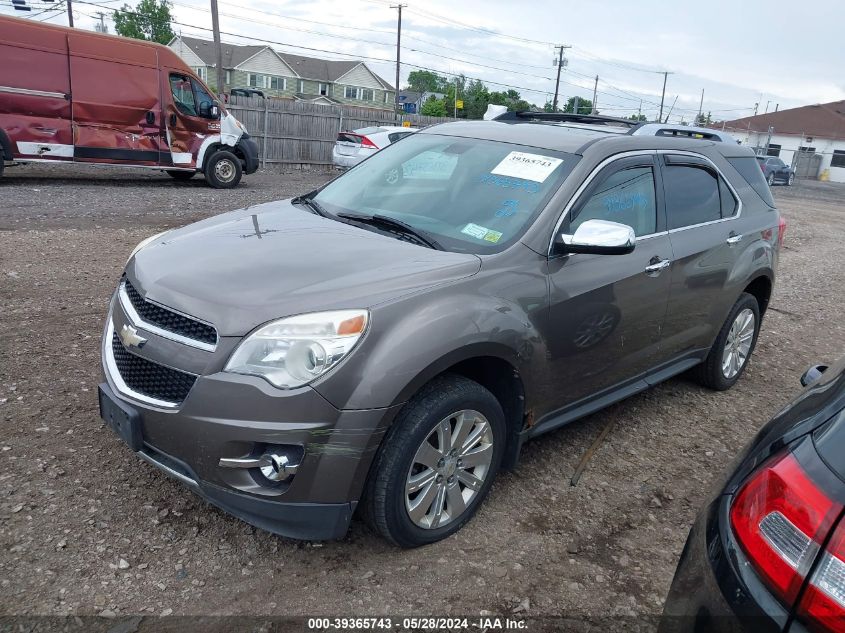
column 437, row 462
column 181, row 175
column 733, row 346
column 223, row 170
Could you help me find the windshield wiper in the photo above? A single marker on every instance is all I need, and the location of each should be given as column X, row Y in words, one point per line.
column 397, row 225
column 311, row 204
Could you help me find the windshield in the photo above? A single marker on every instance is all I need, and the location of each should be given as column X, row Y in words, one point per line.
column 471, row 195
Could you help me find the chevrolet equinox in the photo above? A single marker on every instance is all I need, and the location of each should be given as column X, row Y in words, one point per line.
column 388, row 342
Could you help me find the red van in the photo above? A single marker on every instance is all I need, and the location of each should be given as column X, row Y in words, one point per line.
column 68, row 95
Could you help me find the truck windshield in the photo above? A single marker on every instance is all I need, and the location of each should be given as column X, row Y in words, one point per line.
column 471, row 195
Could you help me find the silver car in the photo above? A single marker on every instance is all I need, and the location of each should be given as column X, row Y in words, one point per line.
column 353, row 147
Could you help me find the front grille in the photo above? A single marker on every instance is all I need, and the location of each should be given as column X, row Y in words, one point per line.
column 169, row 320
column 149, row 378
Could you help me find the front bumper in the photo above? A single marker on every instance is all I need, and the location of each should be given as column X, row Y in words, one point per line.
column 714, row 588
column 250, row 151
column 234, row 416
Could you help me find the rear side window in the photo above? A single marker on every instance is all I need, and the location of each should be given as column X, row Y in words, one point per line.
column 692, row 195
column 395, row 136
column 749, row 169
column 728, row 201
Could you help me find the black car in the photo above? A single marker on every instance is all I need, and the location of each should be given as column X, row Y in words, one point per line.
column 768, row 552
column 776, row 171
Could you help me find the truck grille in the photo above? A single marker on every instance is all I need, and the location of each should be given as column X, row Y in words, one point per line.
column 169, row 320
column 149, row 378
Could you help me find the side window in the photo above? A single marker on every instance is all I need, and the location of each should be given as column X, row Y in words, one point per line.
column 183, row 94
column 626, row 196
column 692, row 195
column 395, row 136
column 203, row 99
column 728, row 201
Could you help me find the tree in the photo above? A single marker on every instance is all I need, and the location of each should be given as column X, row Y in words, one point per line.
column 149, row 20
column 703, row 119
column 585, row 106
column 426, row 81
column 638, row 117
column 433, row 107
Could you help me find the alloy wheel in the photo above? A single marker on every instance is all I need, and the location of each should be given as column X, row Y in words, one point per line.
column 449, row 469
column 738, row 344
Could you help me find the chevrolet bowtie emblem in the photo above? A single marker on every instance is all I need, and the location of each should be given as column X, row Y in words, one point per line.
column 130, row 338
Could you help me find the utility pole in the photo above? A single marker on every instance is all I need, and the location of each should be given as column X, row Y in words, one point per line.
column 756, row 105
column 69, row 14
column 456, row 96
column 670, row 110
column 575, row 109
column 561, row 62
column 218, row 47
column 663, row 95
column 767, row 107
column 101, row 27
column 595, row 93
column 700, row 105
column 640, row 110
column 398, row 52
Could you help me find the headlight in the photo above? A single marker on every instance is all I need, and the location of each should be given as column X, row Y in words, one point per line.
column 294, row 351
column 144, row 243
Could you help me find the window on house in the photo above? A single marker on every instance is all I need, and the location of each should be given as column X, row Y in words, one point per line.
column 300, row 86
column 323, row 89
column 367, row 95
column 201, row 72
column 256, row 81
column 692, row 195
column 276, row 83
column 228, row 79
column 773, row 150
column 808, row 150
column 350, row 92
column 838, row 159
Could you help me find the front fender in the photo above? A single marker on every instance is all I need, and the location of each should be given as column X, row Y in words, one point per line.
column 413, row 340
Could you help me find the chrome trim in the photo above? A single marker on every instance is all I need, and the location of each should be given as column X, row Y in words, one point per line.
column 114, row 375
column 152, row 461
column 646, row 152
column 239, row 462
column 136, row 319
column 33, row 93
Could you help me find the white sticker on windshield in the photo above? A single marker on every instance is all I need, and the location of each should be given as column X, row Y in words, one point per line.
column 482, row 233
column 527, row 166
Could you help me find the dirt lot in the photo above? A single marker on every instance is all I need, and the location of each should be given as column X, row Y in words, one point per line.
column 86, row 528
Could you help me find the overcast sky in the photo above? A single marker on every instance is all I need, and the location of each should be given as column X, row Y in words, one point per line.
column 739, row 51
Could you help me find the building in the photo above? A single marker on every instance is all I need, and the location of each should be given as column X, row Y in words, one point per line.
column 810, row 138
column 289, row 76
column 411, row 102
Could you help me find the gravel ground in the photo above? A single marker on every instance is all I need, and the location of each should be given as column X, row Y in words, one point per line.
column 86, row 528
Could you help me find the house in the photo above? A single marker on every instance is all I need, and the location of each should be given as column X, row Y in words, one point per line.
column 810, row 138
column 411, row 102
column 285, row 75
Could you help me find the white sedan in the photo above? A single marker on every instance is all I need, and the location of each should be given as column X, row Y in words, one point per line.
column 353, row 147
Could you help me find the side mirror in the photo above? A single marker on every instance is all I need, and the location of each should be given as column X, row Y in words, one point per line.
column 209, row 110
column 812, row 374
column 599, row 237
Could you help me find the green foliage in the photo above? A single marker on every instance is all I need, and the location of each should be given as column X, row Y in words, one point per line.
column 433, row 107
column 149, row 20
column 426, row 81
column 638, row 117
column 703, row 120
column 585, row 106
column 475, row 95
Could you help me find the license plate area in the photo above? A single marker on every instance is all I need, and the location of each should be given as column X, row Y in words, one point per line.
column 121, row 418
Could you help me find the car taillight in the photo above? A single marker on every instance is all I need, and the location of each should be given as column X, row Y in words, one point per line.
column 365, row 142
column 781, row 230
column 823, row 603
column 780, row 518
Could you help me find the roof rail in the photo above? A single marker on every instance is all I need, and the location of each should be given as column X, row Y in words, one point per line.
column 567, row 117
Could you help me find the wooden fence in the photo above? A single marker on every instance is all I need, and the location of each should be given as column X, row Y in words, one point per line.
column 300, row 133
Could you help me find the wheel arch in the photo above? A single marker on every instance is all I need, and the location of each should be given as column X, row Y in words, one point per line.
column 760, row 287
column 5, row 146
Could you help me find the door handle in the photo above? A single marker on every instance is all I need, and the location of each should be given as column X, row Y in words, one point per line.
column 172, row 120
column 151, row 118
column 734, row 239
column 653, row 270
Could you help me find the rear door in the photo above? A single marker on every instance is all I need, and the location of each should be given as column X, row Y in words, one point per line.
column 606, row 311
column 116, row 100
column 702, row 212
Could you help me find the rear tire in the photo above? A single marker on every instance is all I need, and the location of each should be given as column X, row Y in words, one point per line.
column 223, row 170
column 720, row 370
column 422, row 465
column 181, row 175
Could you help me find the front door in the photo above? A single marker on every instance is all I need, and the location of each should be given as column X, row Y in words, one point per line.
column 607, row 311
column 189, row 118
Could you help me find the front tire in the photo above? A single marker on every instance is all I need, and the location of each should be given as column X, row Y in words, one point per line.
column 437, row 462
column 771, row 179
column 223, row 170
column 790, row 180
column 733, row 346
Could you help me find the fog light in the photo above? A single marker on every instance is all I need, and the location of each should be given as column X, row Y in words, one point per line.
column 276, row 466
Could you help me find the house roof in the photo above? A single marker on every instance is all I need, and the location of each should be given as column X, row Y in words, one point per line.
column 823, row 120
column 306, row 67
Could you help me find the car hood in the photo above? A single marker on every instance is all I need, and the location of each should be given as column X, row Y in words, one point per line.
column 244, row 268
